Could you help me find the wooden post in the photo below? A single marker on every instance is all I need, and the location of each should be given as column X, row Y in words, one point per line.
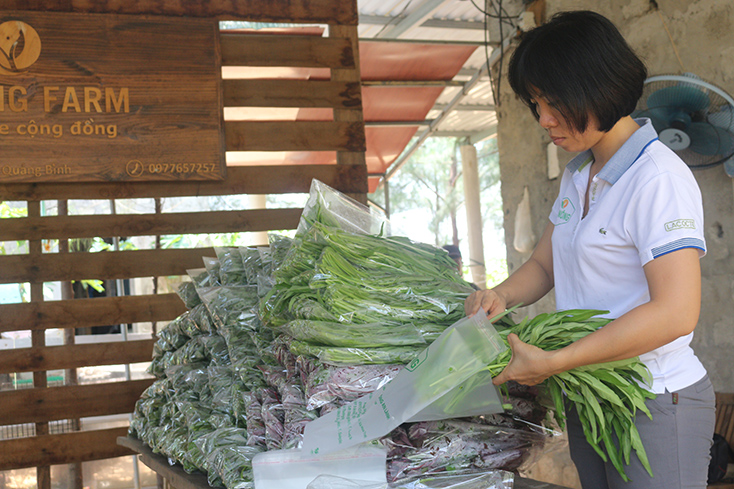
column 473, row 215
column 76, row 479
column 38, row 340
column 258, row 201
column 354, row 114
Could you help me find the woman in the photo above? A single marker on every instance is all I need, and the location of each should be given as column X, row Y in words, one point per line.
column 625, row 235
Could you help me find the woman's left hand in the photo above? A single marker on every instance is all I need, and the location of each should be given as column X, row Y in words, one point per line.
column 529, row 364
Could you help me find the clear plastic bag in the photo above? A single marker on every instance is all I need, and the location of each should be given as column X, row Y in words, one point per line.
column 353, row 335
column 255, row 423
column 201, row 277
column 231, row 306
column 461, row 352
column 279, row 246
column 251, row 263
column 459, row 446
column 187, row 292
column 336, row 482
column 496, row 479
column 334, row 355
column 292, row 469
column 212, row 266
column 203, row 320
column 329, row 383
column 231, row 267
column 335, row 209
column 273, row 418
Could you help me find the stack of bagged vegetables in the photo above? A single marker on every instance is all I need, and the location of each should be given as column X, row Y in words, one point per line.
column 277, row 336
column 206, row 362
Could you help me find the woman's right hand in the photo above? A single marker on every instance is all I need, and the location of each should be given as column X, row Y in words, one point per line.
column 489, row 300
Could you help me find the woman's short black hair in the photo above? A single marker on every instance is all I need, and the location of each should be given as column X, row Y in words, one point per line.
column 579, row 62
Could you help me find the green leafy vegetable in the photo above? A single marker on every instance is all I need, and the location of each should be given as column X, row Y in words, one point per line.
column 607, row 396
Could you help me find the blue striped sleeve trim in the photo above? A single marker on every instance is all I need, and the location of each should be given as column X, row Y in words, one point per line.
column 678, row 244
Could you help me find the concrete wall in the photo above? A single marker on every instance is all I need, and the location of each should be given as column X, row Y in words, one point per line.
column 703, row 33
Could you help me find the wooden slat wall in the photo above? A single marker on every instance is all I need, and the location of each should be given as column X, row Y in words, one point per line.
column 296, row 11
column 344, row 135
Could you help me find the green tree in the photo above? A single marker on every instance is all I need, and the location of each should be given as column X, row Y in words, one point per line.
column 431, row 180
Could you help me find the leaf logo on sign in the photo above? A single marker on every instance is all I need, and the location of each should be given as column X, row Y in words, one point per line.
column 20, row 47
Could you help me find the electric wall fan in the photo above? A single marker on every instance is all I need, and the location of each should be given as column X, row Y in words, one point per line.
column 692, row 117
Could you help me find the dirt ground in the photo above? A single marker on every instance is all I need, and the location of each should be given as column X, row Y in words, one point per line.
column 114, row 473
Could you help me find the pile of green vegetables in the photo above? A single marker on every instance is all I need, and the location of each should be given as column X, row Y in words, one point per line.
column 240, row 372
column 606, row 395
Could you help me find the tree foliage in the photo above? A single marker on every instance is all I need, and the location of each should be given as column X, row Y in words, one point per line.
column 431, row 180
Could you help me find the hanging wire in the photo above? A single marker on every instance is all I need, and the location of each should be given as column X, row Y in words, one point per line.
column 502, row 57
column 504, row 18
column 396, row 19
column 672, row 43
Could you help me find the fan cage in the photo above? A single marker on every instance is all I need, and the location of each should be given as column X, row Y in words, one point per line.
column 719, row 100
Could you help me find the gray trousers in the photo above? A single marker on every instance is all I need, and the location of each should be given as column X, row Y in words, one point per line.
column 677, row 440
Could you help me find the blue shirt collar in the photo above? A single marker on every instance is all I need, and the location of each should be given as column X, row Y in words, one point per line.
column 624, row 157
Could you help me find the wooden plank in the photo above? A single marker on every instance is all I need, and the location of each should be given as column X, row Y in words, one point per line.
column 240, row 180
column 127, row 101
column 174, row 474
column 76, row 356
column 287, row 11
column 66, row 227
column 80, row 313
column 292, row 93
column 294, row 136
column 64, row 267
column 78, row 401
column 81, row 446
column 241, row 49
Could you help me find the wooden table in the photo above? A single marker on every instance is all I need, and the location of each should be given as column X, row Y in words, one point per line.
column 179, row 479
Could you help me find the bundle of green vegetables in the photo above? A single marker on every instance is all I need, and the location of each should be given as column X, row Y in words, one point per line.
column 606, row 396
column 351, row 298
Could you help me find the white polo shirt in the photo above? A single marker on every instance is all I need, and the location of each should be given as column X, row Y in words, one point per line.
column 643, row 204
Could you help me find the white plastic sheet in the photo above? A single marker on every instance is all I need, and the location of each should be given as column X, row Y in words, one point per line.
column 289, row 469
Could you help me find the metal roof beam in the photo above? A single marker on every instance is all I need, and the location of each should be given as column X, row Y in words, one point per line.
column 493, row 58
column 412, row 83
column 481, row 136
column 467, row 107
column 415, row 18
column 428, row 41
column 470, row 135
column 436, row 23
column 426, row 122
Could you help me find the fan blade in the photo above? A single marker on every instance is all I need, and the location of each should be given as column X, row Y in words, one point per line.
column 659, row 116
column 729, row 167
column 724, row 118
column 680, row 97
column 709, row 140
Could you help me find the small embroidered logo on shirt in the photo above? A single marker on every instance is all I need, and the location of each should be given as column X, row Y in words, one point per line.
column 603, row 231
column 566, row 211
column 680, row 224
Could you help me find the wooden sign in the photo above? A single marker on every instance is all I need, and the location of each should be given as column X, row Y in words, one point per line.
column 90, row 97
